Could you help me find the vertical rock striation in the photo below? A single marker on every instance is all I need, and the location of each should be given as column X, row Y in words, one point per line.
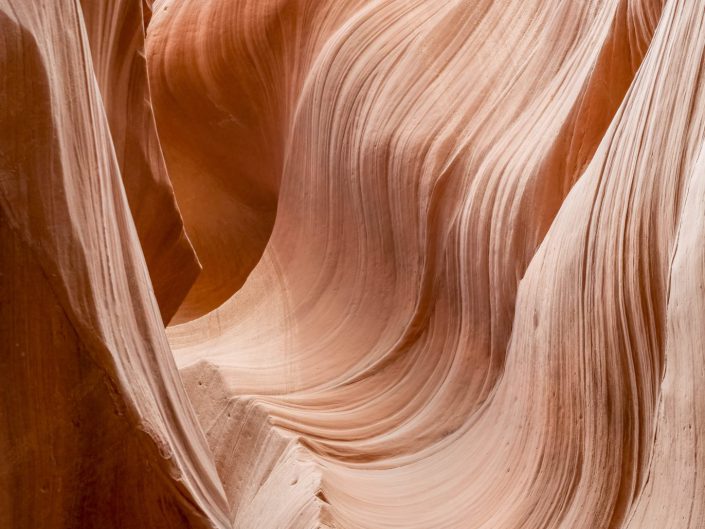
column 96, row 428
column 453, row 264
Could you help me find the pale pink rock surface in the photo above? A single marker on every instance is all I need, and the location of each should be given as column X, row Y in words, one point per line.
column 453, row 264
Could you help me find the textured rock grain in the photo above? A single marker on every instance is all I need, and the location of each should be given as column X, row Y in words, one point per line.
column 453, row 264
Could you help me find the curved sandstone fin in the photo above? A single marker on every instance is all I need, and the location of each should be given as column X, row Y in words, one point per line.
column 116, row 35
column 97, row 430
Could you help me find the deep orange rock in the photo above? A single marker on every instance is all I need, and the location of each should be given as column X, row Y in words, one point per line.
column 452, row 257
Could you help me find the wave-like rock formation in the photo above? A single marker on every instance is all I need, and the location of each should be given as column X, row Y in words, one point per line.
column 359, row 264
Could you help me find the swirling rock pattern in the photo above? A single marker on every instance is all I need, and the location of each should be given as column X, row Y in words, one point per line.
column 97, row 430
column 445, row 264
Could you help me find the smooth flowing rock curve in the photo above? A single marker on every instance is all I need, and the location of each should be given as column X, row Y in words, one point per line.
column 424, row 264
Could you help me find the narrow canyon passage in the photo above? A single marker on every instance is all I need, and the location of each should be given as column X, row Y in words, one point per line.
column 359, row 264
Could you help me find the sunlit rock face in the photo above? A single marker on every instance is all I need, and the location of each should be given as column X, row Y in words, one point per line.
column 358, row 264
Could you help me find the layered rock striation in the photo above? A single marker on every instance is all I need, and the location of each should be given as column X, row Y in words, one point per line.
column 424, row 264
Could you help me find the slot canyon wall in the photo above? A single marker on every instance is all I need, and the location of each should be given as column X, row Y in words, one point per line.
column 356, row 264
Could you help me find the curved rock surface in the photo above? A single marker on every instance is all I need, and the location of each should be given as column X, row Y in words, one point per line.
column 445, row 264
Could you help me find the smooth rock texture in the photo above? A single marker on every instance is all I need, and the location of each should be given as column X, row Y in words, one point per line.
column 96, row 428
column 427, row 264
